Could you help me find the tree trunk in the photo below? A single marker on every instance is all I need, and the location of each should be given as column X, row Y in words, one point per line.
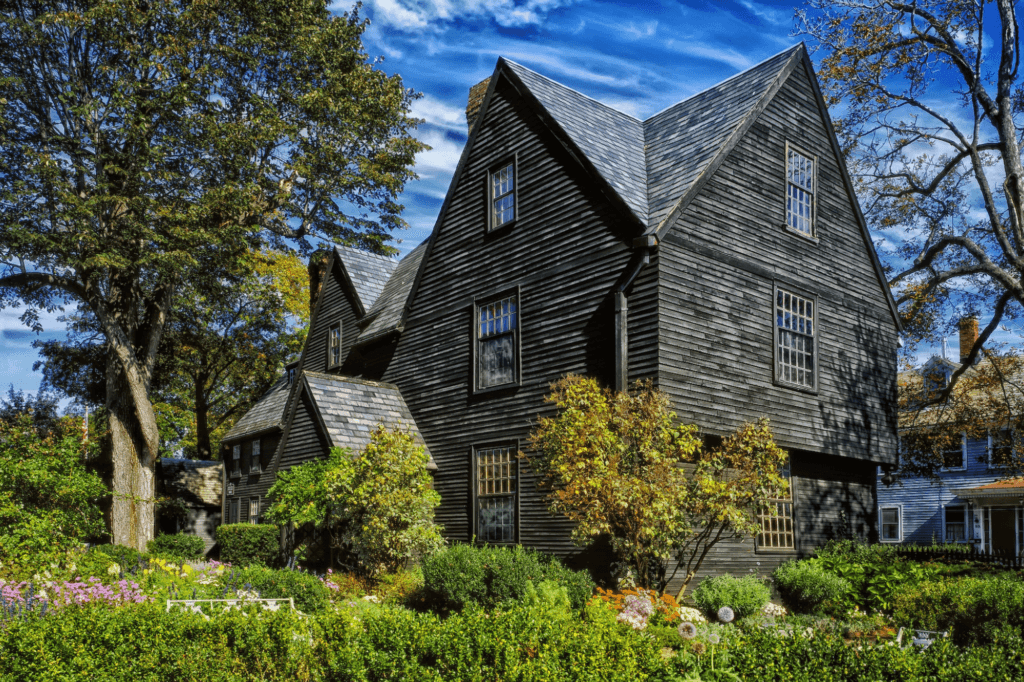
column 132, row 516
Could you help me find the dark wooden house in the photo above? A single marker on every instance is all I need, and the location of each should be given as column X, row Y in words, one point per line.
column 716, row 248
column 191, row 492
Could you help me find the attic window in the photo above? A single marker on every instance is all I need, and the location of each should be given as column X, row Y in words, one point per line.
column 796, row 353
column 334, row 345
column 800, row 187
column 502, row 193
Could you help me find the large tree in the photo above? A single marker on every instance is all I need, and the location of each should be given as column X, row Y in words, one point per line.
column 145, row 146
column 931, row 108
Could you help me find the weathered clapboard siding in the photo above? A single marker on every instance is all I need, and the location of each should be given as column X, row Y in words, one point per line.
column 922, row 500
column 304, row 440
column 565, row 252
column 336, row 302
column 718, row 265
column 249, row 485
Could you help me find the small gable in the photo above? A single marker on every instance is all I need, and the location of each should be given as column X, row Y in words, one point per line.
column 387, row 313
column 367, row 272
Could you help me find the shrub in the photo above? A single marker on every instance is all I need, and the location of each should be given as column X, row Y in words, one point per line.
column 180, row 546
column 975, row 609
column 745, row 596
column 808, row 588
column 247, row 544
column 97, row 560
column 308, row 591
column 462, row 575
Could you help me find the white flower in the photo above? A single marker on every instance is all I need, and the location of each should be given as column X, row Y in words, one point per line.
column 372, row 598
column 114, row 569
column 692, row 615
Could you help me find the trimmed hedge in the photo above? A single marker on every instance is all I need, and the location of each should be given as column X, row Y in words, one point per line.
column 180, row 546
column 745, row 596
column 466, row 575
column 975, row 609
column 308, row 591
column 807, row 587
column 249, row 544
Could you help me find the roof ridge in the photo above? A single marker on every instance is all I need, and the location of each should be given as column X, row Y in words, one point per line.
column 581, row 94
column 363, row 252
column 349, row 380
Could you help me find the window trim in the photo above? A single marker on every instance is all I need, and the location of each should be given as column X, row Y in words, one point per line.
column 761, row 549
column 990, row 449
column 255, row 451
column 474, row 522
column 967, row 525
column 335, row 325
column 255, row 499
column 512, row 160
column 813, row 236
column 899, row 522
column 963, row 459
column 236, row 460
column 234, row 510
column 517, row 335
column 776, row 365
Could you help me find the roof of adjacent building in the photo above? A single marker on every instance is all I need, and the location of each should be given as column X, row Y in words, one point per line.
column 266, row 415
column 368, row 272
column 651, row 164
column 386, row 314
column 351, row 409
column 192, row 480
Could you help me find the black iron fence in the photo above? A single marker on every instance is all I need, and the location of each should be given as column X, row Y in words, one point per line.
column 957, row 553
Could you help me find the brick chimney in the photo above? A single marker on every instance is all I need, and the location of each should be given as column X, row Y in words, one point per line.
column 476, row 98
column 968, row 335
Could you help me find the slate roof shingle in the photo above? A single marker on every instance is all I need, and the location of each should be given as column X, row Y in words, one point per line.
column 352, row 408
column 386, row 314
column 368, row 272
column 266, row 414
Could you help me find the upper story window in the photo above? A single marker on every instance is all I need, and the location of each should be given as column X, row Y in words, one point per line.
column 497, row 490
column 502, row 195
column 953, row 455
column 800, row 188
column 255, row 465
column 890, row 524
column 497, row 342
column 795, row 335
column 776, row 520
column 236, row 459
column 334, row 345
column 1000, row 448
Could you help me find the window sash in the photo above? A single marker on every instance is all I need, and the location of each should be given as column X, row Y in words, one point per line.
column 1000, row 448
column 255, row 465
column 955, row 518
column 503, row 199
column 334, row 345
column 776, row 522
column 800, row 193
column 890, row 523
column 233, row 510
column 497, row 324
column 497, row 477
column 254, row 510
column 795, row 327
column 236, row 459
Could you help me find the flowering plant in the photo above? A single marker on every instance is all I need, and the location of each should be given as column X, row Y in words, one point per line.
column 664, row 610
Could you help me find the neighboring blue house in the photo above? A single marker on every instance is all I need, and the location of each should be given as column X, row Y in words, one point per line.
column 970, row 502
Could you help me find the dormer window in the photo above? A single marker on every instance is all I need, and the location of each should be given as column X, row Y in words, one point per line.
column 290, row 375
column 334, row 346
column 800, row 189
column 502, row 195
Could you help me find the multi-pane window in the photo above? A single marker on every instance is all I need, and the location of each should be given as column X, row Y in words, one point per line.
column 795, row 328
column 951, row 450
column 233, row 510
column 1000, row 448
column 889, row 524
column 497, row 474
column 255, row 466
column 800, row 193
column 254, row 510
column 776, row 520
column 496, row 338
column 236, row 459
column 956, row 523
column 503, row 195
column 334, row 345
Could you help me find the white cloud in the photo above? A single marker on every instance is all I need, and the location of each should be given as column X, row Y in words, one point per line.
column 772, row 16
column 418, row 15
column 438, row 113
column 728, row 56
column 437, row 163
column 645, row 30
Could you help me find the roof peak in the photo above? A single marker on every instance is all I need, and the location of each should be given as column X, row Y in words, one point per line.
column 563, row 85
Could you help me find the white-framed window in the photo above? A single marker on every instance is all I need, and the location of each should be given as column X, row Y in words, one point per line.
column 236, row 459
column 796, row 349
column 234, row 505
column 954, row 457
column 1000, row 448
column 255, row 465
column 890, row 524
column 954, row 523
column 496, row 347
column 496, row 493
column 501, row 192
column 334, row 345
column 254, row 510
column 776, row 521
column 800, row 191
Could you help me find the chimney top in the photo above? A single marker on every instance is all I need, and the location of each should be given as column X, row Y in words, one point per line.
column 476, row 98
column 968, row 335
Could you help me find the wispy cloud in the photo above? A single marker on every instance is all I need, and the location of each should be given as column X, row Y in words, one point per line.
column 419, row 15
column 711, row 51
column 638, row 31
column 439, row 113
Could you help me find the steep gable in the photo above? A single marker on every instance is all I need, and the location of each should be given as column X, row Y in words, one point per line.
column 388, row 310
column 367, row 272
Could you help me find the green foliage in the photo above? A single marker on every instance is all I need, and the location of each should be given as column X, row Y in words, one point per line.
column 612, row 461
column 179, row 546
column 465, row 575
column 808, row 587
column 974, row 609
column 548, row 600
column 308, row 591
column 48, row 498
column 874, row 572
column 746, row 595
column 248, row 544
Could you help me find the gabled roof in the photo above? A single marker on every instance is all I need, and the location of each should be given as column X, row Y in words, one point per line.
column 350, row 409
column 193, row 480
column 266, row 415
column 387, row 313
column 368, row 273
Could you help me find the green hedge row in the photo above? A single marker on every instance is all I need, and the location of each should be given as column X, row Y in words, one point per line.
column 247, row 544
column 974, row 609
column 179, row 547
